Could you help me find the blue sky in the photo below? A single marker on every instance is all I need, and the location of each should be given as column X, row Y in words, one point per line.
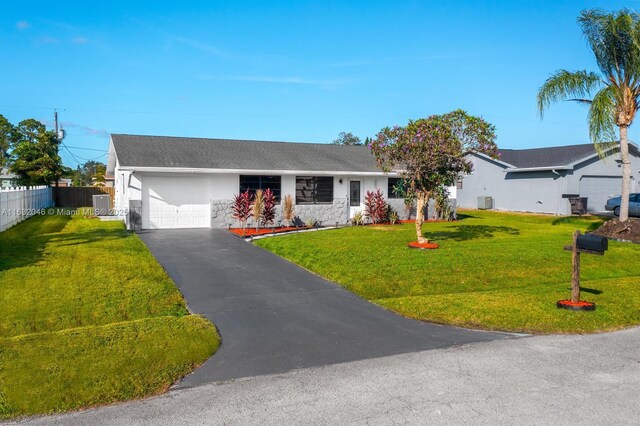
column 285, row 70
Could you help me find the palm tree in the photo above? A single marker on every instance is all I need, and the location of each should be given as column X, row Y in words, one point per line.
column 615, row 41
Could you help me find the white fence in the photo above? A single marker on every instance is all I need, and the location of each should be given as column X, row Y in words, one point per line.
column 18, row 204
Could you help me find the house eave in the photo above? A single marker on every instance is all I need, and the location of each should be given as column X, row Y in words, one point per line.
column 536, row 169
column 135, row 169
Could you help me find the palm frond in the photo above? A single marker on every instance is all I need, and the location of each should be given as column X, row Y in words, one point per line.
column 565, row 85
column 602, row 125
column 580, row 101
column 615, row 41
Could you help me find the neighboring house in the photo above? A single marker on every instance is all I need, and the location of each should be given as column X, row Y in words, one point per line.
column 175, row 182
column 6, row 178
column 109, row 181
column 63, row 183
column 541, row 180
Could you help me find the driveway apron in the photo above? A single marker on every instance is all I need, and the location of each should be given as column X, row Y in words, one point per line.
column 275, row 316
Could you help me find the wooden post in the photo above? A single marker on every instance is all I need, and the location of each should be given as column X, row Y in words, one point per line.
column 575, row 277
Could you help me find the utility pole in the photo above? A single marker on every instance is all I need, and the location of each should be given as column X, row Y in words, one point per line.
column 59, row 136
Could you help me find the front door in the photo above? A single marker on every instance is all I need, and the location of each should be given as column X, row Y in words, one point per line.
column 355, row 197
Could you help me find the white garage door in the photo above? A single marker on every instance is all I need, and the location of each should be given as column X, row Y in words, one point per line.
column 598, row 189
column 176, row 202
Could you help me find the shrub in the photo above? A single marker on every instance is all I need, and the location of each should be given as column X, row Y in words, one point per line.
column 357, row 219
column 444, row 211
column 256, row 208
column 268, row 207
column 242, row 207
column 375, row 206
column 288, row 212
column 392, row 216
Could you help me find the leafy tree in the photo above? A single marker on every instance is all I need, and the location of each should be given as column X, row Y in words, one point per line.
column 614, row 39
column 432, row 152
column 92, row 172
column 34, row 157
column 347, row 138
column 98, row 178
column 7, row 139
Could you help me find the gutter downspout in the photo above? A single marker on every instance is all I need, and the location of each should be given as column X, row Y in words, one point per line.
column 559, row 196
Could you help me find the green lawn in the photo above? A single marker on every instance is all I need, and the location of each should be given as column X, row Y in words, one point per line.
column 498, row 271
column 88, row 317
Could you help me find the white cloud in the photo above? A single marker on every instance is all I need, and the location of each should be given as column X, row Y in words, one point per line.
column 79, row 40
column 203, row 47
column 91, row 131
column 279, row 80
column 22, row 25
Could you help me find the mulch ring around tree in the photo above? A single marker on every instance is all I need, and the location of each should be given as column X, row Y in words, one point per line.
column 250, row 232
column 627, row 231
column 423, row 246
column 581, row 305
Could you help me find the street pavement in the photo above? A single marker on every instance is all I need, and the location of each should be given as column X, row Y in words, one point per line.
column 577, row 379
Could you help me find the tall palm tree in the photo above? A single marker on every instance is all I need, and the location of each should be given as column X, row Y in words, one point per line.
column 615, row 41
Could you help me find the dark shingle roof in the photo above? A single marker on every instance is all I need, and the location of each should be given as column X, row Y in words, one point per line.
column 163, row 151
column 546, row 157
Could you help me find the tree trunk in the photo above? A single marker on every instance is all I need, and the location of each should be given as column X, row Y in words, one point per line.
column 626, row 174
column 575, row 276
column 420, row 202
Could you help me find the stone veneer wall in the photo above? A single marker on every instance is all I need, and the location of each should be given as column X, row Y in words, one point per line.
column 398, row 205
column 324, row 214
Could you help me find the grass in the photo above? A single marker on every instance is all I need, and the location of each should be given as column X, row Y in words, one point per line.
column 498, row 271
column 88, row 317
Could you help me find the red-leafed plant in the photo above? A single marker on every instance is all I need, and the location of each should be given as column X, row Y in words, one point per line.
column 268, row 207
column 242, row 208
column 375, row 206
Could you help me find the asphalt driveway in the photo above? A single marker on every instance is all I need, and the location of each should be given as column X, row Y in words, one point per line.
column 274, row 316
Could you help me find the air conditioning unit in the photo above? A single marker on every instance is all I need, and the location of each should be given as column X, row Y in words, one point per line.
column 101, row 205
column 485, row 203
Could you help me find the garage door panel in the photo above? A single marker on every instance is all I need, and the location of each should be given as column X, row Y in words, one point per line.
column 176, row 202
column 598, row 189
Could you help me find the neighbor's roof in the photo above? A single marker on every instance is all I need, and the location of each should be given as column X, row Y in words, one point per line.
column 196, row 153
column 546, row 157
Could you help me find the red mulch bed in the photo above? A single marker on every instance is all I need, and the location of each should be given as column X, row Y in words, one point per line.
column 423, row 246
column 629, row 230
column 252, row 232
column 580, row 305
column 426, row 221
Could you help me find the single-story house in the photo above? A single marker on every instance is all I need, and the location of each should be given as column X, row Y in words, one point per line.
column 542, row 180
column 6, row 178
column 180, row 182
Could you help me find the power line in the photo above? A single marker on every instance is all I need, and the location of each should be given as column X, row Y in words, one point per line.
column 88, row 149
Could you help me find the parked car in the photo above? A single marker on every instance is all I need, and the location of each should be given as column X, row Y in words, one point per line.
column 613, row 204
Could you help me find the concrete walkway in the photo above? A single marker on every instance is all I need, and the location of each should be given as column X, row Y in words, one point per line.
column 274, row 316
column 560, row 380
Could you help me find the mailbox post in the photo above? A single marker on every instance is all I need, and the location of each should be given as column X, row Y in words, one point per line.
column 591, row 244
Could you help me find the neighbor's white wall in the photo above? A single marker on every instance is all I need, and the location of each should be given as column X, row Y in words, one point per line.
column 225, row 186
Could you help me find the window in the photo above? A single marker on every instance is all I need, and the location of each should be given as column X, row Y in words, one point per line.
column 459, row 184
column 391, row 188
column 255, row 182
column 314, row 189
column 354, row 193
